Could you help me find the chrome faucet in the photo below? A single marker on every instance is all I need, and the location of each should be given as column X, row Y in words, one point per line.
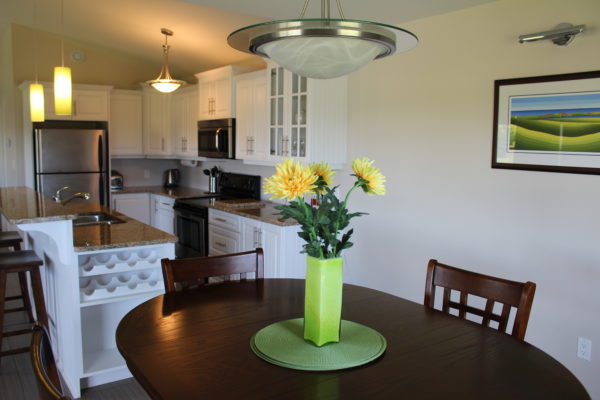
column 81, row 195
column 57, row 196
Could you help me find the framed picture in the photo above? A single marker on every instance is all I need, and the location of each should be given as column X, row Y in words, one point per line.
column 548, row 123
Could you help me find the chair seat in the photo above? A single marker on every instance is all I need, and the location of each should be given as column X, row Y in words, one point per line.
column 9, row 239
column 16, row 261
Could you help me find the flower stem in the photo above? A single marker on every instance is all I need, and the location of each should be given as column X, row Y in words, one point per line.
column 312, row 232
column 339, row 214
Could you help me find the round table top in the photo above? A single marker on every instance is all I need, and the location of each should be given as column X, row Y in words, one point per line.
column 196, row 344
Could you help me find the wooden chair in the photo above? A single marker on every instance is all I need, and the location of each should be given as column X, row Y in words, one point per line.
column 44, row 368
column 508, row 293
column 193, row 272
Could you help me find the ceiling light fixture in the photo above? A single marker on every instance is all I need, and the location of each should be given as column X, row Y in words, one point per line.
column 36, row 90
column 561, row 35
column 165, row 82
column 62, row 76
column 322, row 47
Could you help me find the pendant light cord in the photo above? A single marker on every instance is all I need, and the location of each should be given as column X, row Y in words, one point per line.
column 62, row 28
column 325, row 9
column 35, row 42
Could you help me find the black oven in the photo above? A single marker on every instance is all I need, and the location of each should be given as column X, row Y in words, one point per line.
column 216, row 138
column 191, row 215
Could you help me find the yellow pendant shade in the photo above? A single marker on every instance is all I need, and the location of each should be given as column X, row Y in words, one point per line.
column 62, row 91
column 36, row 102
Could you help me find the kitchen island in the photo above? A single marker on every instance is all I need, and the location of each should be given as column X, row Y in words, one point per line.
column 92, row 276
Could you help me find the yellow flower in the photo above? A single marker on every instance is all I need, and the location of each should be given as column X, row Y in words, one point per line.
column 291, row 180
column 324, row 176
column 374, row 179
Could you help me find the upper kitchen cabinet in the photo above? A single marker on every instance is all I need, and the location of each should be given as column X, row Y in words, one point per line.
column 156, row 122
column 90, row 103
column 252, row 130
column 216, row 95
column 125, row 123
column 307, row 117
column 184, row 122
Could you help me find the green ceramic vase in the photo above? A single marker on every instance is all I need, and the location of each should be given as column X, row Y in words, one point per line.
column 323, row 300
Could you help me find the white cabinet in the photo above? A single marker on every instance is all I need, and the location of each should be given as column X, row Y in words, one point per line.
column 90, row 103
column 134, row 205
column 184, row 122
column 231, row 233
column 163, row 215
column 307, row 117
column 223, row 233
column 125, row 124
column 216, row 96
column 252, row 130
column 156, row 110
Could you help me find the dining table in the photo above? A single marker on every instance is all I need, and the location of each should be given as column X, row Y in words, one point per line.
column 196, row 344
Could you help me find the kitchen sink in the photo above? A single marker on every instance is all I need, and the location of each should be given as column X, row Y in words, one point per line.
column 98, row 218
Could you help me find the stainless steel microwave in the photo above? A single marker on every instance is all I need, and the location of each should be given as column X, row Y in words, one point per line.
column 216, row 138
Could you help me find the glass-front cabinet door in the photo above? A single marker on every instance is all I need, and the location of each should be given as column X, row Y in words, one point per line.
column 276, row 121
column 298, row 116
column 288, row 113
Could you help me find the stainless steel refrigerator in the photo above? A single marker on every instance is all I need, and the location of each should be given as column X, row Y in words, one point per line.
column 74, row 154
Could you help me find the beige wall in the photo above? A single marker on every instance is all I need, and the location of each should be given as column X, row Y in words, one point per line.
column 101, row 66
column 10, row 139
column 426, row 118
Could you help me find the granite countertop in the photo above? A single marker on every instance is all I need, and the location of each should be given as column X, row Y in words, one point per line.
column 264, row 211
column 179, row 192
column 22, row 205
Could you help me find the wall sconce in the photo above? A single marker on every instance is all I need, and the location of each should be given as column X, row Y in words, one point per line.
column 561, row 35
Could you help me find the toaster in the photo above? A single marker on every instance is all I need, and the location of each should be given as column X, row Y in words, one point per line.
column 116, row 180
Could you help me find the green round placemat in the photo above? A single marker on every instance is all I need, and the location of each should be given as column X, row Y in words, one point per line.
column 283, row 344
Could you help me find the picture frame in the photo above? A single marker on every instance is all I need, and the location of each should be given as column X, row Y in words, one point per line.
column 548, row 123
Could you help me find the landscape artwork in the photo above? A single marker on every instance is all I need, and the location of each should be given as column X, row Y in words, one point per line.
column 565, row 123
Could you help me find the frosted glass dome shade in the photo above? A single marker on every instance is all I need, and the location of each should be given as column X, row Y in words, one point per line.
column 322, row 57
column 322, row 47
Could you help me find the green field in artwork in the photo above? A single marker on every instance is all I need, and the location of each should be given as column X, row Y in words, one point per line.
column 556, row 132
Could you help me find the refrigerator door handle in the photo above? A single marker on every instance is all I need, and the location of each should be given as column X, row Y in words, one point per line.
column 38, row 153
column 100, row 153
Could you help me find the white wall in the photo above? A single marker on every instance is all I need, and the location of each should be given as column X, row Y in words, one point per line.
column 143, row 172
column 426, row 118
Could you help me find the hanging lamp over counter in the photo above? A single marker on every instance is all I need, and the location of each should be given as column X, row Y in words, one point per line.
column 36, row 90
column 63, row 103
column 322, row 47
column 165, row 82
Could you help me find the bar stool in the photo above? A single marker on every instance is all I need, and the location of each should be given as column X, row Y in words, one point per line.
column 12, row 239
column 22, row 261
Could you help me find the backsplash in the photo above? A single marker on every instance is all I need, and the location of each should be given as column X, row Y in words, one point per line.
column 143, row 172
column 194, row 177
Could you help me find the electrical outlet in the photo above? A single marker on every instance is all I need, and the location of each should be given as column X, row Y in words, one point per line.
column 146, row 173
column 584, row 349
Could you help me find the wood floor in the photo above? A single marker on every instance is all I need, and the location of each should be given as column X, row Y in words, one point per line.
column 16, row 374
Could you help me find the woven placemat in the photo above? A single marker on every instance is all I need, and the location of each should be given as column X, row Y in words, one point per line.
column 282, row 344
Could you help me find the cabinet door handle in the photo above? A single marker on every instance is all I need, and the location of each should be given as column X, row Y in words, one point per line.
column 162, row 144
column 220, row 244
column 220, row 220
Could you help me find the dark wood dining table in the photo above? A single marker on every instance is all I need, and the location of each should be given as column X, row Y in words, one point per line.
column 196, row 345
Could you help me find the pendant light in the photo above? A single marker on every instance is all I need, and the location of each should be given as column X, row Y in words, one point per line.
column 62, row 77
column 36, row 90
column 165, row 82
column 322, row 47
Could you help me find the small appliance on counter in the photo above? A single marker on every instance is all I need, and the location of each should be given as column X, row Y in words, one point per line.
column 116, row 180
column 171, row 178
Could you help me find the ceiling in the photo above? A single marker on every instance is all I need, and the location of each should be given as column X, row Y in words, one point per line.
column 200, row 26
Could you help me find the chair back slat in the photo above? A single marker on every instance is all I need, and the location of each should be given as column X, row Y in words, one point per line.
column 198, row 270
column 509, row 294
